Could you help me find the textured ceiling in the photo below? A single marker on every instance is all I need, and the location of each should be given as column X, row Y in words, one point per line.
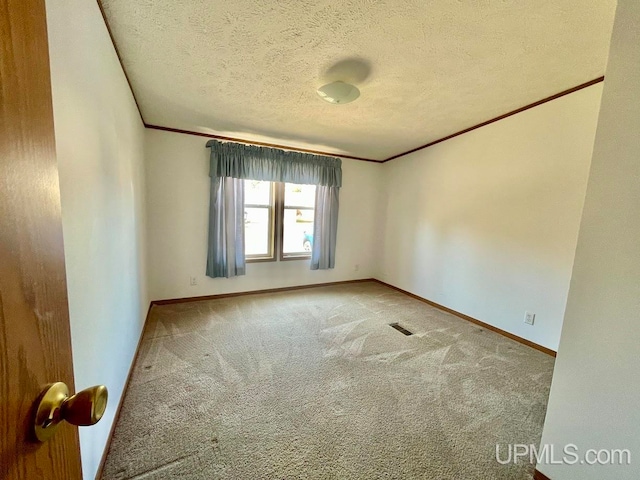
column 250, row 68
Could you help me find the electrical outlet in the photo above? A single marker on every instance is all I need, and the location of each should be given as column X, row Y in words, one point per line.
column 193, row 281
column 356, row 267
column 529, row 318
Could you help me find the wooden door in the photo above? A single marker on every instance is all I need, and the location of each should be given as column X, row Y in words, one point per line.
column 35, row 345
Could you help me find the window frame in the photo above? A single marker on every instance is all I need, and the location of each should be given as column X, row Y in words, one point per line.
column 276, row 210
column 271, row 208
column 280, row 210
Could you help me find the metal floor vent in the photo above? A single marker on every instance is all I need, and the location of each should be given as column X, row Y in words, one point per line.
column 400, row 329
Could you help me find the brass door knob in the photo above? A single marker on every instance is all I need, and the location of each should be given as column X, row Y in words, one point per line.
column 55, row 405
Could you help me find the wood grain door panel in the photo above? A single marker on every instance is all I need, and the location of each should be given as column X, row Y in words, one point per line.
column 35, row 345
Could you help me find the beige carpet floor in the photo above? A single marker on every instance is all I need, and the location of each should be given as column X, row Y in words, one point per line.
column 314, row 384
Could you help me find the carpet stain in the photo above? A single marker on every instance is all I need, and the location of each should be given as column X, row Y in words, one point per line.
column 167, row 466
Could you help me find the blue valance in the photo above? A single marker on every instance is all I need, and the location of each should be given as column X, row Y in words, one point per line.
column 251, row 162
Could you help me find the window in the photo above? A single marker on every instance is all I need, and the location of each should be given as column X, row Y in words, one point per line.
column 297, row 220
column 259, row 201
column 278, row 218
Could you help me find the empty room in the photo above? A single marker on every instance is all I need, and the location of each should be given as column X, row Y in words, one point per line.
column 319, row 240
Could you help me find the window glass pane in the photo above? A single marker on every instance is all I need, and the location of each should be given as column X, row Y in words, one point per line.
column 298, row 231
column 257, row 192
column 299, row 202
column 256, row 231
column 299, row 195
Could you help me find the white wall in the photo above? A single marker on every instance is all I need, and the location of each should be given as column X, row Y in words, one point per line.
column 595, row 390
column 100, row 141
column 178, row 205
column 486, row 223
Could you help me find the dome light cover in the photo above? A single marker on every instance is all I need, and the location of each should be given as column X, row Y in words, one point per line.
column 338, row 92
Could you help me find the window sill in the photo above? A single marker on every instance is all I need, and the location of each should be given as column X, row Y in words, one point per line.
column 260, row 259
column 275, row 259
column 295, row 257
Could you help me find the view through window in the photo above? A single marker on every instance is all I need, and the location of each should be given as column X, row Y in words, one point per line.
column 299, row 203
column 258, row 219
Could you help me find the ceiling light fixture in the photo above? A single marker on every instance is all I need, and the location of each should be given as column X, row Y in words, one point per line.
column 338, row 92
